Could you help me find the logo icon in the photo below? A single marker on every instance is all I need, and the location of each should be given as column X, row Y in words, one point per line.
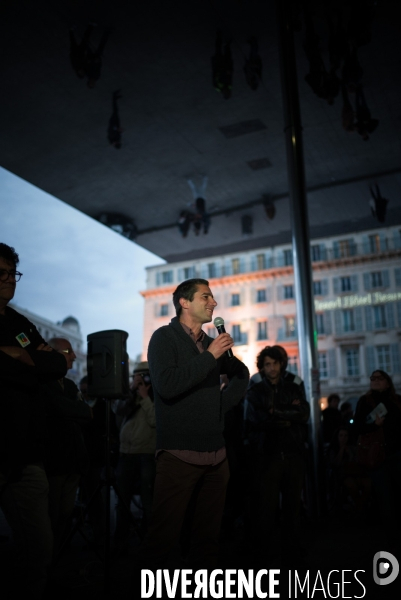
column 385, row 568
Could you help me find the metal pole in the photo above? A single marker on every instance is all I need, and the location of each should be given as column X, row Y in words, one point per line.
column 307, row 337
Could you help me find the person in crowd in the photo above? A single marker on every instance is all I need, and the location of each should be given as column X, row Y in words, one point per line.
column 137, row 453
column 346, row 477
column 86, row 60
column 364, row 122
column 26, row 362
column 331, row 418
column 66, row 455
column 114, row 130
column 94, row 432
column 275, row 423
column 378, row 424
column 185, row 367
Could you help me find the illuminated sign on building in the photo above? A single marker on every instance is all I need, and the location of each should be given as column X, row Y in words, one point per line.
column 351, row 301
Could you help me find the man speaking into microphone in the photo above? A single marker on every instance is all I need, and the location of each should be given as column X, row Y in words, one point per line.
column 185, row 366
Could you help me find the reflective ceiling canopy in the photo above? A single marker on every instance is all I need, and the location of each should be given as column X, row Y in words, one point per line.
column 176, row 126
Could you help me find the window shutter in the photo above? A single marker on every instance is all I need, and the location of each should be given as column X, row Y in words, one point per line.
column 280, row 292
column 389, row 308
column 368, row 318
column 358, row 319
column 325, row 287
column 370, row 360
column 180, row 275
column 337, row 322
column 336, row 250
column 383, row 242
column 366, row 245
column 331, row 359
column 386, row 278
column 269, row 294
column 399, row 313
column 366, row 281
column 397, row 273
column 323, row 252
column 395, row 358
column 327, row 322
column 354, row 283
column 253, row 263
column 336, row 285
column 397, row 240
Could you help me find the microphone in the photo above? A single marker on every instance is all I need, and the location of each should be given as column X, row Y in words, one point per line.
column 219, row 324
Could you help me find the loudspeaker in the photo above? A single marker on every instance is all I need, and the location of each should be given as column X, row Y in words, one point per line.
column 107, row 361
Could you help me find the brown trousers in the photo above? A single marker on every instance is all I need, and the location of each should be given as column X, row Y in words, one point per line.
column 175, row 483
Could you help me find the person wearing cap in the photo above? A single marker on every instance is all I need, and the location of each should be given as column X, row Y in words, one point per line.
column 137, row 452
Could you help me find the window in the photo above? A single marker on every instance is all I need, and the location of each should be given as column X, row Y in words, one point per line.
column 293, row 364
column 376, row 279
column 261, row 262
column 374, row 243
column 348, row 320
column 167, row 276
column 262, row 330
column 235, row 300
column 352, row 362
column 316, row 252
column 345, row 248
column 189, row 272
column 289, row 326
column 288, row 292
column 260, row 295
column 320, row 323
column 323, row 365
column 211, row 270
column 235, row 265
column 317, row 288
column 345, row 284
column 236, row 333
column 163, row 310
column 383, row 358
column 288, row 257
column 379, row 317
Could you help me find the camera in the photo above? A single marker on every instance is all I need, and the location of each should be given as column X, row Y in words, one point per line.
column 146, row 378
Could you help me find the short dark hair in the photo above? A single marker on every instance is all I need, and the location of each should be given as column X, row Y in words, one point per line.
column 276, row 353
column 9, row 254
column 332, row 397
column 187, row 289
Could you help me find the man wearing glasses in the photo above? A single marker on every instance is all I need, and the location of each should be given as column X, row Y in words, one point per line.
column 26, row 362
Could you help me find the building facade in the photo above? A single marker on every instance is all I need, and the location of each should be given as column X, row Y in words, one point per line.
column 357, row 291
column 68, row 328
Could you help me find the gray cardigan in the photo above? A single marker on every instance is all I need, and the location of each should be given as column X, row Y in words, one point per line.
column 189, row 405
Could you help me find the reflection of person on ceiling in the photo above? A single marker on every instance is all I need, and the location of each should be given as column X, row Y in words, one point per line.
column 84, row 59
column 253, row 65
column 222, row 67
column 114, row 130
column 94, row 59
column 78, row 50
column 200, row 217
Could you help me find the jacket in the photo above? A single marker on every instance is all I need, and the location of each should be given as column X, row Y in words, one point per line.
column 189, row 404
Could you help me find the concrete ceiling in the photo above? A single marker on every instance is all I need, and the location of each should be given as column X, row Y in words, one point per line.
column 54, row 128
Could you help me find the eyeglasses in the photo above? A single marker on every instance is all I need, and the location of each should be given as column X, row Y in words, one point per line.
column 376, row 378
column 4, row 275
column 68, row 351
